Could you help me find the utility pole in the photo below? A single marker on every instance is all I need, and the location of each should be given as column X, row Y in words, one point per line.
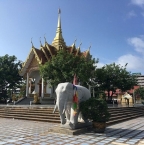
column 134, row 98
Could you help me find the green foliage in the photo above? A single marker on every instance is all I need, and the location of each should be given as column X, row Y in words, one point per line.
column 98, row 93
column 9, row 73
column 9, row 93
column 101, row 94
column 95, row 110
column 139, row 92
column 63, row 67
column 23, row 88
column 112, row 77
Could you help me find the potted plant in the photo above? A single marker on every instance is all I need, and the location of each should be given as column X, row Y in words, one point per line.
column 97, row 111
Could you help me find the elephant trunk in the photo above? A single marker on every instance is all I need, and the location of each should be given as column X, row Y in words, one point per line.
column 62, row 114
column 65, row 106
column 62, row 106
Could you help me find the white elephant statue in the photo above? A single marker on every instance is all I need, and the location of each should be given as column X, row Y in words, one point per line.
column 64, row 103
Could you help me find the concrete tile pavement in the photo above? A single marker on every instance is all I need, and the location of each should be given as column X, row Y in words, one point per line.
column 22, row 132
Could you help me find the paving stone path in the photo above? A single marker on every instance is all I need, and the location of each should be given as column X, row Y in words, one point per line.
column 22, row 132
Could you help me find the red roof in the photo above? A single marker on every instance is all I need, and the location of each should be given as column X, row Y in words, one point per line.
column 134, row 88
column 118, row 91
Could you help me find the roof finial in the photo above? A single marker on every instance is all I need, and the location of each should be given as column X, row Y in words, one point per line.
column 73, row 45
column 75, row 41
column 80, row 44
column 45, row 38
column 40, row 42
column 59, row 11
column 32, row 43
column 59, row 19
column 89, row 48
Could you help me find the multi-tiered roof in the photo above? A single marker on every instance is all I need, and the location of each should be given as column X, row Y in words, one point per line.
column 47, row 51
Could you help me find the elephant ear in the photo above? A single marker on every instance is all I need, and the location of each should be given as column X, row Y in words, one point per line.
column 69, row 89
column 80, row 95
column 60, row 87
column 69, row 86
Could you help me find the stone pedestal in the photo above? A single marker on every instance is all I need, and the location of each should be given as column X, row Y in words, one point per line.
column 76, row 126
column 63, row 130
column 36, row 99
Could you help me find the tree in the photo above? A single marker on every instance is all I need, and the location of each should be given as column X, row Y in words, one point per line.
column 112, row 77
column 22, row 87
column 139, row 93
column 9, row 73
column 63, row 67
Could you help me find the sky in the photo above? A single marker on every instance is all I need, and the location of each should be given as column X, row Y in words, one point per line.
column 113, row 28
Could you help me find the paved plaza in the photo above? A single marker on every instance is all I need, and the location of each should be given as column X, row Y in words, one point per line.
column 22, row 132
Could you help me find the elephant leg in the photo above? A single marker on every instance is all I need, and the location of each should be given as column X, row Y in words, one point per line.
column 62, row 118
column 74, row 116
column 67, row 113
column 84, row 119
column 80, row 118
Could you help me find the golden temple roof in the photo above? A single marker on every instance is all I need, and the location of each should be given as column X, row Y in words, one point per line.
column 58, row 40
column 47, row 51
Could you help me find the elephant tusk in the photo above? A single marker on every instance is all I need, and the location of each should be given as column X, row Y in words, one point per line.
column 63, row 111
column 55, row 108
column 69, row 111
column 65, row 106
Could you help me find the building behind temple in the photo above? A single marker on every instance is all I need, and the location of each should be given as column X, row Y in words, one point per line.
column 140, row 79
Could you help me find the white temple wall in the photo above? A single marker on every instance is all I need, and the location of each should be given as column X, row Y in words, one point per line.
column 48, row 88
column 36, row 76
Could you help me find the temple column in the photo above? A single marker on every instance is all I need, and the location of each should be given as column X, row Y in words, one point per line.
column 51, row 94
column 27, row 85
column 42, row 92
column 30, row 86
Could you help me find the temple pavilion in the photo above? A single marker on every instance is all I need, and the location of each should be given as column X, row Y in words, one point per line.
column 36, row 57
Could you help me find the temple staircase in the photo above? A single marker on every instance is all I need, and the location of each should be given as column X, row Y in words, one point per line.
column 124, row 113
column 45, row 114
column 28, row 101
column 30, row 113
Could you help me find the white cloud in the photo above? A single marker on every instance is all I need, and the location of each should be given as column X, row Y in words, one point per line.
column 134, row 63
column 139, row 3
column 137, row 43
column 131, row 14
column 142, row 14
column 99, row 65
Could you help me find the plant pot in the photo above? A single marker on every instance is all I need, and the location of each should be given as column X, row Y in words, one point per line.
column 99, row 127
